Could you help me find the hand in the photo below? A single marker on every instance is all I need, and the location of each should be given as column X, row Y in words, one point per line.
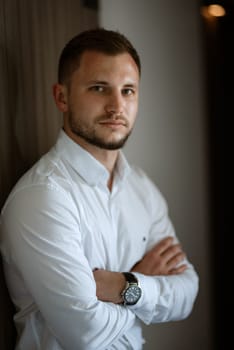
column 162, row 259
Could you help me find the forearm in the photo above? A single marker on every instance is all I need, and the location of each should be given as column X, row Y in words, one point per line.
column 109, row 285
column 169, row 284
column 165, row 258
column 166, row 298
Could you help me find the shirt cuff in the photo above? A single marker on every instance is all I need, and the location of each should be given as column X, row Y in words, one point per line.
column 144, row 308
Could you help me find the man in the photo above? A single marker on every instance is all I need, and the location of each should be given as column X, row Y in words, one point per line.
column 89, row 250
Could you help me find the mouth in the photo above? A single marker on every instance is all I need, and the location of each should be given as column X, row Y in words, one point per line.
column 114, row 124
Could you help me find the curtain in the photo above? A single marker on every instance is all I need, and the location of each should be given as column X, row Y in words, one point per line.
column 32, row 34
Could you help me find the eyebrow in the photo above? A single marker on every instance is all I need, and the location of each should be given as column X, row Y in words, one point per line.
column 102, row 82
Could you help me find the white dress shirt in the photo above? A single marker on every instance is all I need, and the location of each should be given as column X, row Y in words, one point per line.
column 59, row 223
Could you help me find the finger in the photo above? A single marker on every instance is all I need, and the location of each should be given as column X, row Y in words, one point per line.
column 175, row 260
column 172, row 251
column 178, row 270
column 163, row 245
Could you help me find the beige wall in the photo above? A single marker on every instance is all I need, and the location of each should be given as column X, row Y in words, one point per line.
column 169, row 140
column 32, row 33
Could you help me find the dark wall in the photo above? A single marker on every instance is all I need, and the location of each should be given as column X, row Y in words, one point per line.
column 219, row 58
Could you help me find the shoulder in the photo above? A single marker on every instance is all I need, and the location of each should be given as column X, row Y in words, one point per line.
column 45, row 179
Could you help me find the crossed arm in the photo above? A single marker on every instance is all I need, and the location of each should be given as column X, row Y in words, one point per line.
column 163, row 259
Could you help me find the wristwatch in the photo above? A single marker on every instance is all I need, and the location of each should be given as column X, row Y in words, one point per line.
column 132, row 291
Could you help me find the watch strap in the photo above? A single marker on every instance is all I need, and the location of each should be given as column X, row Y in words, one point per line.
column 130, row 277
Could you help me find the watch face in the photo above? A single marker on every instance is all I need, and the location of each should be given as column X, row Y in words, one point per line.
column 132, row 295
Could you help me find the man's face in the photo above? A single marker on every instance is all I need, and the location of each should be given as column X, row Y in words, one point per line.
column 102, row 100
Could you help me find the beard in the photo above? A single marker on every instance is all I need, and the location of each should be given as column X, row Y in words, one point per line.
column 90, row 134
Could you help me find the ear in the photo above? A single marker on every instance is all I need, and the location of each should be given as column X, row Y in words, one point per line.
column 60, row 97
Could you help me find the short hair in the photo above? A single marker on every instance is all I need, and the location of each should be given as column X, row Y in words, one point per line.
column 102, row 40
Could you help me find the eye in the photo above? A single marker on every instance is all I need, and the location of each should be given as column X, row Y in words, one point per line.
column 128, row 91
column 97, row 88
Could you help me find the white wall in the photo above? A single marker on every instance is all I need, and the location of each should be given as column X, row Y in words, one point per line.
column 169, row 140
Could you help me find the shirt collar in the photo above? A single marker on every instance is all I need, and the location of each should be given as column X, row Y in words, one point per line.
column 88, row 167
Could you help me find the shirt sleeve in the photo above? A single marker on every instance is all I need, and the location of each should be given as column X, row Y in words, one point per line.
column 164, row 298
column 45, row 244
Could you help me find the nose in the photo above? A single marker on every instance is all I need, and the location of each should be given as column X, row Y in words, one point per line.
column 115, row 104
